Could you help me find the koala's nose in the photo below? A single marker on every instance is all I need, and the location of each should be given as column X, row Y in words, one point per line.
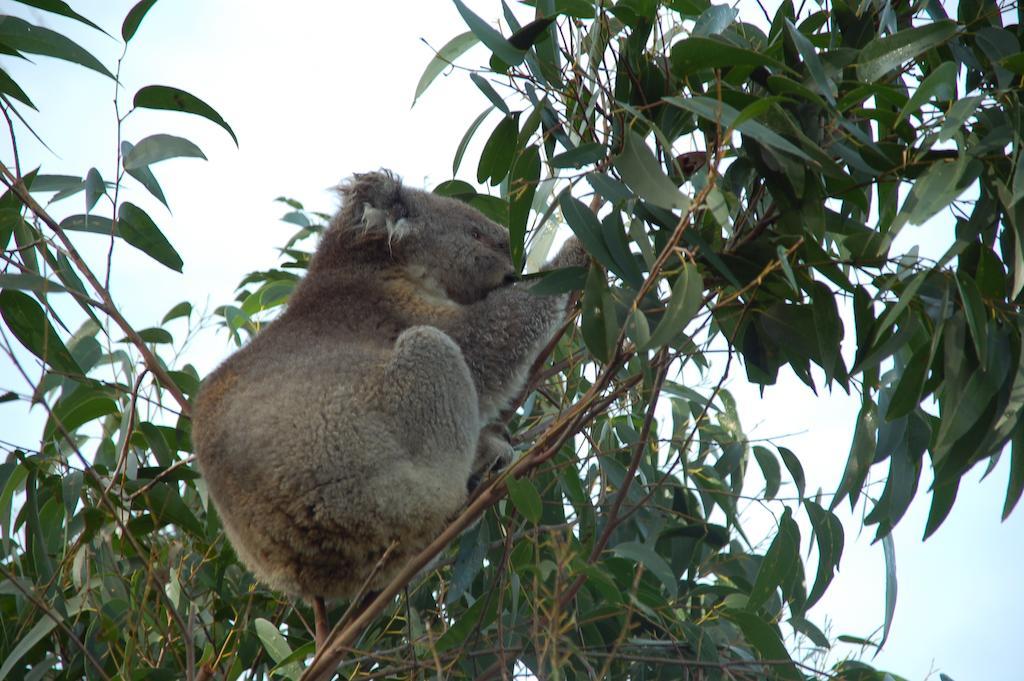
column 511, row 278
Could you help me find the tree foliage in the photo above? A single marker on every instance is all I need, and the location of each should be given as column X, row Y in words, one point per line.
column 750, row 190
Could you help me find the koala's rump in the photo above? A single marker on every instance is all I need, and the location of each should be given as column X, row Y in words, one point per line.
column 312, row 482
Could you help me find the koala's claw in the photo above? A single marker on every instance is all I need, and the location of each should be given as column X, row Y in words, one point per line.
column 494, row 452
column 502, row 431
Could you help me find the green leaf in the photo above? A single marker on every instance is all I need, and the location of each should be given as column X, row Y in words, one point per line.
column 727, row 116
column 494, row 41
column 167, row 98
column 89, row 223
column 182, row 309
column 167, row 508
column 277, row 647
column 1015, row 484
column 583, row 155
column 587, row 229
column 94, row 188
column 943, row 496
column 828, row 326
column 687, row 297
column 649, row 558
column 770, row 470
column 562, row 280
column 156, row 148
column 469, row 561
column 8, row 86
column 581, row 9
column 51, row 183
column 139, row 230
column 153, row 335
column 909, row 291
column 611, row 189
column 809, row 54
column 813, row 633
column 766, row 641
column 796, row 470
column 61, row 8
column 134, row 18
column 696, row 53
column 527, row 36
column 598, row 316
column 499, row 150
column 782, row 558
column 466, row 138
column 451, row 51
column 641, row 171
column 30, row 282
column 144, row 175
column 904, row 441
column 889, row 549
column 966, row 403
column 957, row 115
column 613, row 234
column 975, row 312
column 637, row 328
column 830, row 538
column 939, row 186
column 940, row 84
column 75, row 410
column 525, row 497
column 523, row 179
column 476, row 618
column 907, row 392
column 714, row 20
column 883, row 55
column 23, row 36
column 36, row 634
column 490, row 93
column 29, row 324
column 862, row 454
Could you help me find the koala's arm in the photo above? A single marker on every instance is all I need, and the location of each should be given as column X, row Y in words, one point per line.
column 501, row 335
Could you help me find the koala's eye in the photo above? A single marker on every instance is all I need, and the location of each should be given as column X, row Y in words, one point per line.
column 475, row 233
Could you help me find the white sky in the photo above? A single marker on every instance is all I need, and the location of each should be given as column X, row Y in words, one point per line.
column 316, row 91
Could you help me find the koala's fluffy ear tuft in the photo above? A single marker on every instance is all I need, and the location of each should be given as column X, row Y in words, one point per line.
column 375, row 203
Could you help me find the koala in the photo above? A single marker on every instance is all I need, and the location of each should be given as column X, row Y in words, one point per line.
column 362, row 414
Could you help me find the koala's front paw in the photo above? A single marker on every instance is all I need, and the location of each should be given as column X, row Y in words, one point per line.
column 572, row 254
column 494, row 453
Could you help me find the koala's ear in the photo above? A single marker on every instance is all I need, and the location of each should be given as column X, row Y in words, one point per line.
column 375, row 203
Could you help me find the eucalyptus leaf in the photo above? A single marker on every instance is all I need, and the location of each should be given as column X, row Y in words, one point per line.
column 134, row 18
column 444, row 58
column 525, row 497
column 20, row 35
column 726, row 116
column 173, row 99
column 156, row 148
column 883, row 55
column 646, row 556
column 138, row 229
column 687, row 297
column 641, row 171
column 495, row 42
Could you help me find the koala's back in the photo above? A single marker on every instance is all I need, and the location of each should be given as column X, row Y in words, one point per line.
column 311, row 475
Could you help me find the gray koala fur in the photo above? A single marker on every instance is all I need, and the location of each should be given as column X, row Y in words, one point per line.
column 358, row 416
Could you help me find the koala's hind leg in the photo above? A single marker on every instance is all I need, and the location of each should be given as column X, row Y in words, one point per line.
column 427, row 389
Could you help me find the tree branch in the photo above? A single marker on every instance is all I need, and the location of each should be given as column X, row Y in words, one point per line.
column 109, row 307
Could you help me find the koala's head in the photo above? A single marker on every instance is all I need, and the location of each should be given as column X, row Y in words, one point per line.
column 381, row 221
